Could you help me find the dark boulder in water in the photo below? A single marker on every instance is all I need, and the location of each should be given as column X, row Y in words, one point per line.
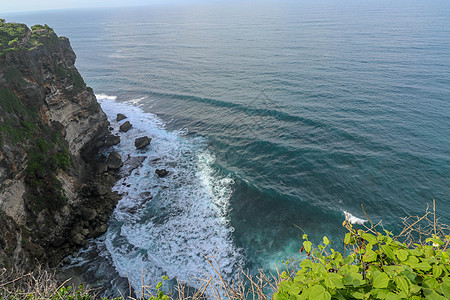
column 112, row 140
column 114, row 161
column 161, row 172
column 125, row 126
column 120, row 117
column 142, row 142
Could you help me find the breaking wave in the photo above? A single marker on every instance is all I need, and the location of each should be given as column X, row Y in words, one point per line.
column 166, row 226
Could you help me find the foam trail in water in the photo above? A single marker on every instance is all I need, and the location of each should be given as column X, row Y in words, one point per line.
column 165, row 226
column 352, row 219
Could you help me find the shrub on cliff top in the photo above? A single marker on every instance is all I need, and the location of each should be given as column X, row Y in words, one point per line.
column 10, row 32
column 378, row 266
column 12, row 36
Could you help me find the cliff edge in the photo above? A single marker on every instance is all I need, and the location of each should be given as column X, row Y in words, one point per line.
column 55, row 189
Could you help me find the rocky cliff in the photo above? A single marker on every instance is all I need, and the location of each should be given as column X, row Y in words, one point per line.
column 55, row 189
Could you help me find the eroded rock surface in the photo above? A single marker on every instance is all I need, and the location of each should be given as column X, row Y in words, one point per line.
column 54, row 189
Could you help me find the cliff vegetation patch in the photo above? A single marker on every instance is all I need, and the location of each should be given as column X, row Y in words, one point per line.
column 46, row 150
column 17, row 36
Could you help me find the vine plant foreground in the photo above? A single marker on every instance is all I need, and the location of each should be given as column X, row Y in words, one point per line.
column 413, row 265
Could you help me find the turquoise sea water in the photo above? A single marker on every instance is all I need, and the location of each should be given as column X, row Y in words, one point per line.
column 270, row 116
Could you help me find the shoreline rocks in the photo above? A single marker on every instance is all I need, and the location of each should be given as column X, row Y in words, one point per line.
column 112, row 140
column 161, row 172
column 114, row 161
column 120, row 117
column 142, row 142
column 125, row 126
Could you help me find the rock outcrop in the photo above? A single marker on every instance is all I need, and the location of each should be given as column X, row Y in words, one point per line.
column 142, row 142
column 54, row 194
column 114, row 161
column 125, row 126
column 120, row 117
column 161, row 172
column 112, row 140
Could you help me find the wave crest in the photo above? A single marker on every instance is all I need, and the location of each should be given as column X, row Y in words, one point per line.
column 352, row 219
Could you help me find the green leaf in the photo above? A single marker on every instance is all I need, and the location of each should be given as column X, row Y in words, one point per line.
column 402, row 283
column 159, row 285
column 307, row 245
column 280, row 296
column 379, row 293
column 370, row 256
column 388, row 251
column 348, row 260
column 423, row 266
column 392, row 296
column 369, row 237
column 326, row 241
column 292, row 288
column 334, row 281
column 435, row 241
column 437, row 271
column 306, row 263
column 348, row 238
column 416, row 252
column 318, row 292
column 354, row 279
column 305, row 237
column 415, row 288
column 432, row 295
column 444, row 289
column 380, row 281
column 412, row 261
column 358, row 295
column 430, row 283
column 401, row 254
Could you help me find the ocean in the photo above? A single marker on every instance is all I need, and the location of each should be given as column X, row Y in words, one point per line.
column 273, row 118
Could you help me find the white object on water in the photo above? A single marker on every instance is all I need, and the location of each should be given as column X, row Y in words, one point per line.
column 352, row 219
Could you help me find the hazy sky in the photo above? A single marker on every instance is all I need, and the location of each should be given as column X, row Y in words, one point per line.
column 28, row 5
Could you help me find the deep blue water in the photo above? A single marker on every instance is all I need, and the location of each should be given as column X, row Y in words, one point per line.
column 270, row 116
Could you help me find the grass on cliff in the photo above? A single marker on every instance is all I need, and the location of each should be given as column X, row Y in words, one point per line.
column 46, row 149
column 11, row 33
column 414, row 264
column 12, row 36
column 19, row 129
column 39, row 284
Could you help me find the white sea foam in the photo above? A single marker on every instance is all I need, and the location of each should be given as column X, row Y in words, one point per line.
column 352, row 219
column 105, row 97
column 136, row 101
column 167, row 225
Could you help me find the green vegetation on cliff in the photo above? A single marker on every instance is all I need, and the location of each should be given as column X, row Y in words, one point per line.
column 16, row 36
column 46, row 149
column 74, row 78
column 18, row 125
column 377, row 267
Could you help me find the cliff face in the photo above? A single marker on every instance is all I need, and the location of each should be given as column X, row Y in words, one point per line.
column 55, row 191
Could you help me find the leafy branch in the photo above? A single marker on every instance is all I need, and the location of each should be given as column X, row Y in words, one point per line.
column 379, row 265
